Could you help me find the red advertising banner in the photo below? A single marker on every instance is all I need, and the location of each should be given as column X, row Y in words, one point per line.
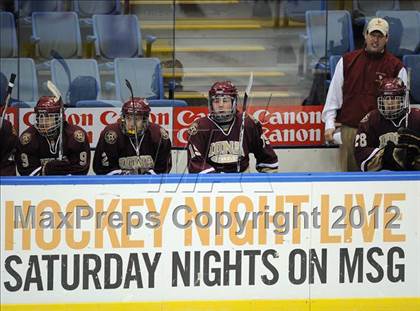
column 283, row 125
column 183, row 118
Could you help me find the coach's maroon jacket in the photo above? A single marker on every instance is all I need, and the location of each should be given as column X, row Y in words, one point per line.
column 362, row 71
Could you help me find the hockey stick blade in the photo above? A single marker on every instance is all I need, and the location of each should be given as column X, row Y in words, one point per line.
column 130, row 88
column 57, row 96
column 407, row 96
column 250, row 82
column 54, row 90
column 248, row 90
column 242, row 129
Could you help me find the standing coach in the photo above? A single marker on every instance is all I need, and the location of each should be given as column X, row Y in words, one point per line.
column 352, row 93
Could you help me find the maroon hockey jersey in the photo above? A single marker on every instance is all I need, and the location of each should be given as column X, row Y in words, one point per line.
column 116, row 151
column 39, row 156
column 373, row 134
column 213, row 149
column 8, row 141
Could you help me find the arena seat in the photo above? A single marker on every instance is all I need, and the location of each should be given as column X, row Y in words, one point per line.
column 25, row 8
column 65, row 37
column 78, row 68
column 87, row 8
column 316, row 48
column 116, row 36
column 26, row 83
column 365, row 10
column 404, row 31
column 8, row 47
column 413, row 62
column 145, row 75
column 295, row 10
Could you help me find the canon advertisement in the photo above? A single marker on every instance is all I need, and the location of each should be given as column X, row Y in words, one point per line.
column 283, row 126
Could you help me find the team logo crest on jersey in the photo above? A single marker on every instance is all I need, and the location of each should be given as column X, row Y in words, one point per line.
column 110, row 137
column 192, row 130
column 164, row 133
column 25, row 138
column 79, row 136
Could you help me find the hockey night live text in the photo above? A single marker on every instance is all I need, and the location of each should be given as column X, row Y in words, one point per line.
column 208, row 222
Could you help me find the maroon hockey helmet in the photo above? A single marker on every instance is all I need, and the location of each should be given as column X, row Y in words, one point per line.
column 138, row 107
column 223, row 89
column 391, row 99
column 48, row 116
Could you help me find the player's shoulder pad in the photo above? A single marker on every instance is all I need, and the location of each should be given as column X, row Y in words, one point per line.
column 77, row 133
column 111, row 132
column 110, row 136
column 79, row 136
column 25, row 138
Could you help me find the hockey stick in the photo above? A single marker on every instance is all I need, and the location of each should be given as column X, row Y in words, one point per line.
column 407, row 96
column 130, row 88
column 57, row 96
column 66, row 69
column 8, row 96
column 268, row 104
column 244, row 107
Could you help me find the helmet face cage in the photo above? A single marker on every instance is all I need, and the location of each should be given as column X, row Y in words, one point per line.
column 128, row 126
column 392, row 107
column 392, row 100
column 140, row 108
column 222, row 115
column 48, row 116
column 223, row 91
column 48, row 124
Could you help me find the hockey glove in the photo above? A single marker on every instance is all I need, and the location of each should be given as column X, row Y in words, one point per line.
column 56, row 167
column 394, row 157
column 409, row 138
